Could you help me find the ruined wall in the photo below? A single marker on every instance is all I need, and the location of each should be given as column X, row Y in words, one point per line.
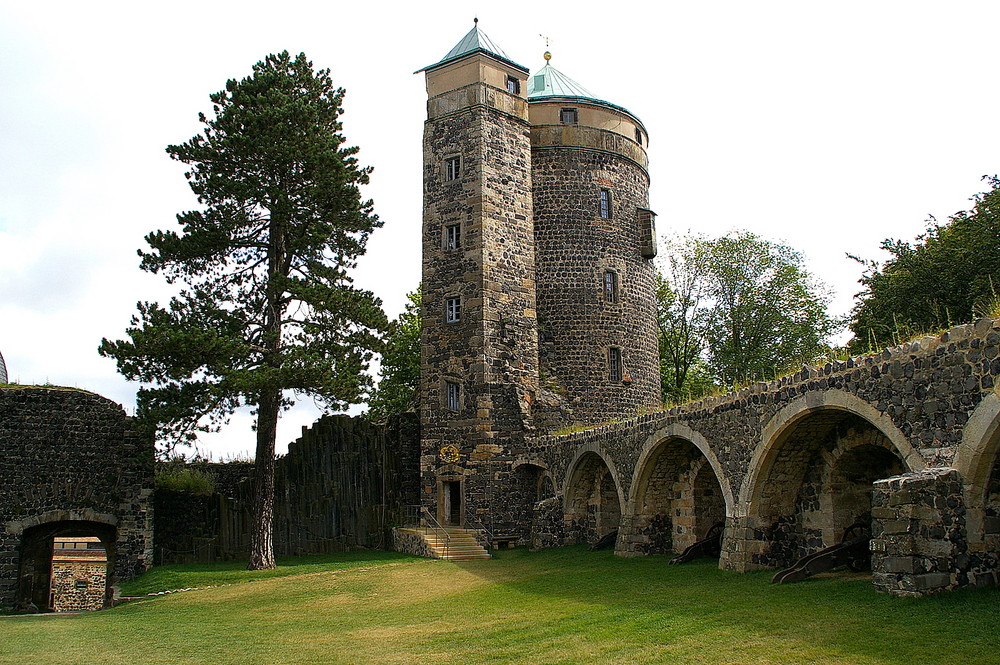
column 71, row 462
column 795, row 458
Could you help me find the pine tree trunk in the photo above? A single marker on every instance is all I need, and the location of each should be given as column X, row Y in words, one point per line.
column 262, row 528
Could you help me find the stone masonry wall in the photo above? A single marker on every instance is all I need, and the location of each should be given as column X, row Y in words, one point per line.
column 71, row 458
column 574, row 249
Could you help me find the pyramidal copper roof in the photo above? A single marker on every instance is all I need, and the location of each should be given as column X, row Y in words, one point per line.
column 475, row 41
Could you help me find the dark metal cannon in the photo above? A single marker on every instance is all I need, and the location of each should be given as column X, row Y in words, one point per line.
column 710, row 545
column 853, row 551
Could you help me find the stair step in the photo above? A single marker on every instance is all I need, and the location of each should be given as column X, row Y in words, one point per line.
column 453, row 543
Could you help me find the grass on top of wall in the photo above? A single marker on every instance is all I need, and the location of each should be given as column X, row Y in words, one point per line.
column 558, row 606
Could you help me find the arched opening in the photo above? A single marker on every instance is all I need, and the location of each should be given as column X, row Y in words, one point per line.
column 66, row 565
column 978, row 460
column 817, row 484
column 677, row 500
column 531, row 484
column 593, row 508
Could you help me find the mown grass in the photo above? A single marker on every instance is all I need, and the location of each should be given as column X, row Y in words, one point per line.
column 558, row 606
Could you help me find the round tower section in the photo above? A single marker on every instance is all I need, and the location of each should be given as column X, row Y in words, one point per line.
column 594, row 244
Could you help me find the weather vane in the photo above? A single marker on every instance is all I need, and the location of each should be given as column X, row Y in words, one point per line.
column 548, row 54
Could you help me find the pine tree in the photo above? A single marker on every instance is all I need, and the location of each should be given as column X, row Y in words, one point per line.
column 267, row 310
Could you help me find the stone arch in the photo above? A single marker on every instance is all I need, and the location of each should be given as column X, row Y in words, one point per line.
column 592, row 497
column 36, row 550
column 531, row 482
column 811, row 477
column 778, row 429
column 978, row 461
column 677, row 493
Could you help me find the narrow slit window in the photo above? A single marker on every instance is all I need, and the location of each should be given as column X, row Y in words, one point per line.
column 614, row 364
column 513, row 85
column 452, row 168
column 638, row 136
column 452, row 395
column 610, row 286
column 452, row 236
column 604, row 204
column 453, row 310
column 568, row 116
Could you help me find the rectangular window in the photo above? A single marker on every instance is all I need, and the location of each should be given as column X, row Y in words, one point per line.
column 647, row 232
column 568, row 116
column 638, row 136
column 452, row 236
column 513, row 85
column 452, row 394
column 453, row 310
column 610, row 286
column 452, row 168
column 604, row 207
column 614, row 364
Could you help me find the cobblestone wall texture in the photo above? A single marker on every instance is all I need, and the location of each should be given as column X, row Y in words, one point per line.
column 70, row 458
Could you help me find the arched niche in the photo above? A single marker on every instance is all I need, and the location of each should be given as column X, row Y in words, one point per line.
column 592, row 498
column 811, row 476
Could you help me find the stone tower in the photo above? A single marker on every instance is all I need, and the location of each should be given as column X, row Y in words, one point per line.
column 533, row 189
column 594, row 238
column 479, row 345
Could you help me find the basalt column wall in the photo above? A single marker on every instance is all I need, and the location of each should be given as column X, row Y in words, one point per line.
column 580, row 245
column 72, row 464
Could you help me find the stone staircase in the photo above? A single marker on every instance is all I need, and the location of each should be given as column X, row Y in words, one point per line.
column 460, row 544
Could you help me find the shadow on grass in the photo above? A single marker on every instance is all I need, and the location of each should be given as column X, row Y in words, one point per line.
column 183, row 576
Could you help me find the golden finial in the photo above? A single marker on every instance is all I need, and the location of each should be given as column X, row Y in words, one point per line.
column 547, row 56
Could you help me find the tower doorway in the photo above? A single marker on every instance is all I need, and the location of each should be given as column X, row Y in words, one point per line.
column 452, row 502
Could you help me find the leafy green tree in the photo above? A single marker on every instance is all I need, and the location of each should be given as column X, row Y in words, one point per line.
column 767, row 312
column 268, row 310
column 736, row 309
column 680, row 287
column 400, row 371
column 950, row 275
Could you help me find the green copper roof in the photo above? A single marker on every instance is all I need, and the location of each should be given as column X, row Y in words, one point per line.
column 550, row 82
column 476, row 41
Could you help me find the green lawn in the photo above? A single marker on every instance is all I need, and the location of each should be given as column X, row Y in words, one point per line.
column 558, row 606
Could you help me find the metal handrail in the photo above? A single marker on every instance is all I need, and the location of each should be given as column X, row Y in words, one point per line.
column 472, row 519
column 422, row 514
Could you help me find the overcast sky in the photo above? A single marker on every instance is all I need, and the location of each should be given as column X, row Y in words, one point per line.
column 829, row 126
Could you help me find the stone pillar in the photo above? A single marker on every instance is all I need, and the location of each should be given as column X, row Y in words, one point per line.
column 919, row 540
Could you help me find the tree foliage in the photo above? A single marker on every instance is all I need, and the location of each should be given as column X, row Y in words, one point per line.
column 400, row 371
column 737, row 308
column 950, row 275
column 267, row 309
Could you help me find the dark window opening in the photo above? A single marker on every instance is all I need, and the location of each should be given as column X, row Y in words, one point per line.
column 513, row 85
column 610, row 286
column 638, row 136
column 452, row 396
column 452, row 236
column 453, row 310
column 452, row 168
column 615, row 364
column 604, row 207
column 568, row 116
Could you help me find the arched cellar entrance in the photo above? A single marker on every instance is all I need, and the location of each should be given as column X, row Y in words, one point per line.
column 816, row 484
column 593, row 504
column 67, row 565
column 678, row 498
column 531, row 484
